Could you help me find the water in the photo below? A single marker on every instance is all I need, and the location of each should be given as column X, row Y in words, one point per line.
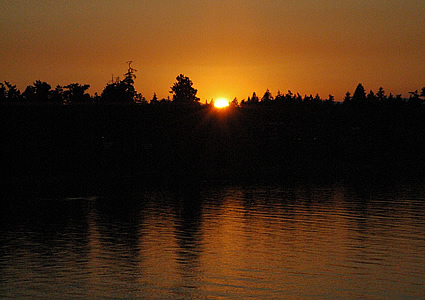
column 233, row 242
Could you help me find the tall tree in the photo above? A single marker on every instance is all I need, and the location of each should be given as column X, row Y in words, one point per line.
column 359, row 95
column 12, row 93
column 154, row 99
column 267, row 97
column 122, row 91
column 254, row 98
column 183, row 92
column 380, row 95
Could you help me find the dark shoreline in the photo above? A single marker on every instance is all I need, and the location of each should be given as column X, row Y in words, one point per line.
column 84, row 147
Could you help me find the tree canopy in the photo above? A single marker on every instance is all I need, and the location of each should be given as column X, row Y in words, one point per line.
column 183, row 92
column 122, row 91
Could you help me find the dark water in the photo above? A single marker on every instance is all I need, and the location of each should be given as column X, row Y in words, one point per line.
column 260, row 242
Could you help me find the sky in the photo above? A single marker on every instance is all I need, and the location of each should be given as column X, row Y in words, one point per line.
column 228, row 48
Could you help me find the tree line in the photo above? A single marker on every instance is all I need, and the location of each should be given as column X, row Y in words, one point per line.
column 287, row 136
column 123, row 92
column 116, row 92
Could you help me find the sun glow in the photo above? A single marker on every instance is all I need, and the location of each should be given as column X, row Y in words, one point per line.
column 221, row 103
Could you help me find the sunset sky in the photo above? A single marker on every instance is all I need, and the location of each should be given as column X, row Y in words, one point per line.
column 228, row 48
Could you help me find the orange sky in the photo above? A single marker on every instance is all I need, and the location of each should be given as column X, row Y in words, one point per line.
column 228, row 48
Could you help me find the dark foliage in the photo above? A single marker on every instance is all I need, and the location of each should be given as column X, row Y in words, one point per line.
column 286, row 137
column 183, row 91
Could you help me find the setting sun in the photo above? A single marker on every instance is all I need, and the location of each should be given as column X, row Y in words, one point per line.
column 221, row 103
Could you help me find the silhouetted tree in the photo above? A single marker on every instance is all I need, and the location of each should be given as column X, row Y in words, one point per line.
column 76, row 93
column 347, row 98
column 39, row 92
column 234, row 102
column 29, row 94
column 414, row 98
column 380, row 95
column 267, row 97
column 289, row 97
column 317, row 99
column 165, row 100
column 331, row 99
column 254, row 98
column 122, row 91
column 154, row 99
column 10, row 92
column 42, row 90
column 296, row 99
column 371, row 98
column 359, row 95
column 128, row 81
column 308, row 99
column 183, row 92
column 57, row 96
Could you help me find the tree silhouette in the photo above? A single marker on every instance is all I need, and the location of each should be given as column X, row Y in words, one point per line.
column 347, row 98
column 380, row 95
column 414, row 98
column 9, row 92
column 183, row 92
column 76, row 93
column 254, row 98
column 42, row 90
column 39, row 92
column 154, row 99
column 331, row 99
column 371, row 97
column 122, row 91
column 57, row 95
column 267, row 97
column 359, row 95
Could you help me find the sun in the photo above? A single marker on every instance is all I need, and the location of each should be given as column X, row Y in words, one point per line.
column 221, row 103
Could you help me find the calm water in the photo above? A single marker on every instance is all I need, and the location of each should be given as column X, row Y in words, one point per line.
column 260, row 242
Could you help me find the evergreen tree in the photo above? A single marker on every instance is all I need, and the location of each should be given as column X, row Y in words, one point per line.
column 380, row 95
column 254, row 98
column 347, row 98
column 10, row 92
column 371, row 98
column 359, row 95
column 234, row 102
column 154, row 99
column 122, row 91
column 183, row 92
column 267, row 97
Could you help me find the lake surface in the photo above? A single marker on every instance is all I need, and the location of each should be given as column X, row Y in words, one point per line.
column 295, row 241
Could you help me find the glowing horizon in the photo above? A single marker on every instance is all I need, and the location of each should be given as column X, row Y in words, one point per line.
column 221, row 103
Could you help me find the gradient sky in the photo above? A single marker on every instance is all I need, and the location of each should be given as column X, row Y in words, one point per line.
column 228, row 48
